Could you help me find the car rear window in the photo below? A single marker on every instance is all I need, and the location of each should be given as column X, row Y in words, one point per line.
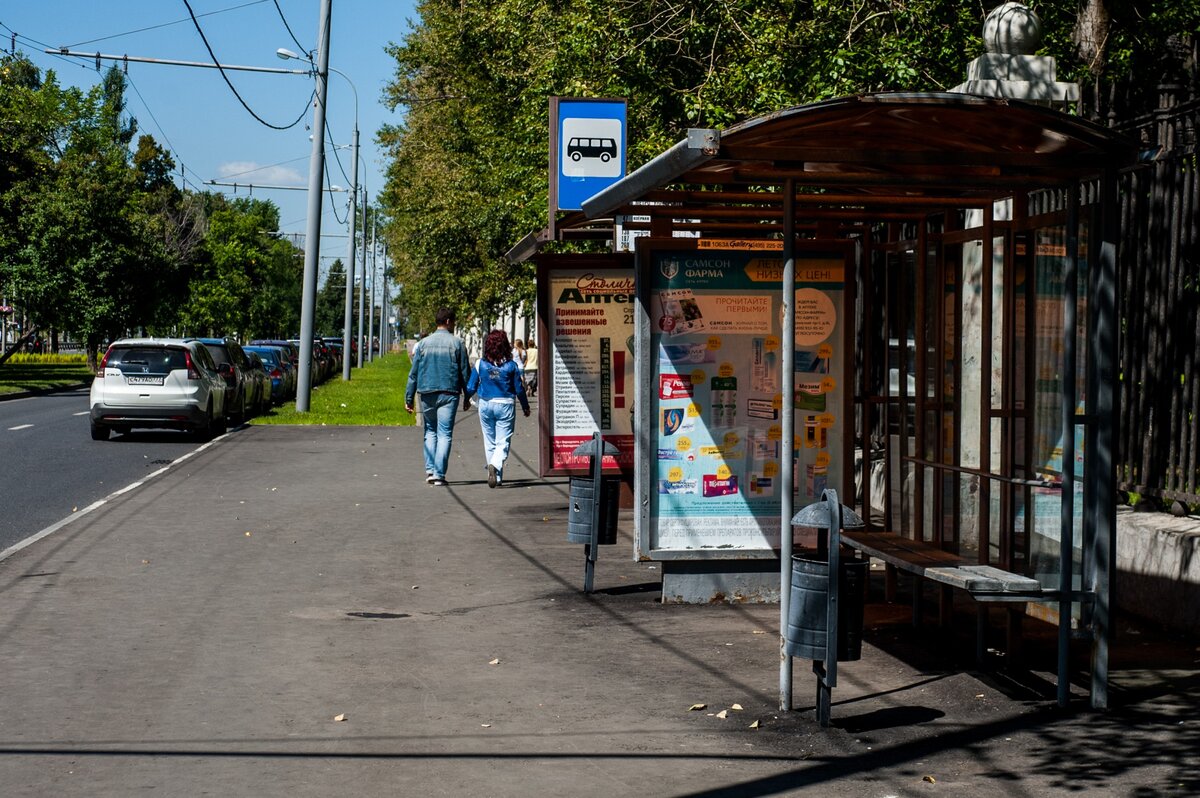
column 266, row 355
column 146, row 360
column 219, row 353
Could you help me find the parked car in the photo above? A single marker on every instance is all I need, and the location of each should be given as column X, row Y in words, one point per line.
column 234, row 366
column 260, row 394
column 292, row 347
column 159, row 383
column 279, row 371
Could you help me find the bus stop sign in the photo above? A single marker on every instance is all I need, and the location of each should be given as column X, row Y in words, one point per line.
column 587, row 149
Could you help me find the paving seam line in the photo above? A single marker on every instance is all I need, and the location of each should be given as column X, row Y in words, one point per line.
column 57, row 525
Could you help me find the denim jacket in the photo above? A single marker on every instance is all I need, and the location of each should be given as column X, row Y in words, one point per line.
column 501, row 383
column 440, row 365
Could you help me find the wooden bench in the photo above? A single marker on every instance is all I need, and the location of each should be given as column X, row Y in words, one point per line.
column 923, row 560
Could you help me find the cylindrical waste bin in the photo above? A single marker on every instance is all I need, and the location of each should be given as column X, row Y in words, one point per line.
column 579, row 513
column 807, row 613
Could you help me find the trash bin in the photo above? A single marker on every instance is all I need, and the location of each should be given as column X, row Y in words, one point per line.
column 579, row 513
column 807, row 620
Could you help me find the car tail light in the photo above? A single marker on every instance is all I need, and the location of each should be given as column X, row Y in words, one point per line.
column 192, row 374
column 276, row 374
column 103, row 363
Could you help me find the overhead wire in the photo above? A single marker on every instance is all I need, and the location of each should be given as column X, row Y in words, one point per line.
column 163, row 25
column 232, row 88
column 303, row 49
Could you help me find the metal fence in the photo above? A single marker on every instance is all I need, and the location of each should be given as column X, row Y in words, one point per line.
column 1159, row 446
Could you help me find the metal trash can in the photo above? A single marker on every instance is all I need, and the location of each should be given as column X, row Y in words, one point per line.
column 579, row 513
column 807, row 620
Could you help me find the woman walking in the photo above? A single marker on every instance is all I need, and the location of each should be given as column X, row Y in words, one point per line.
column 497, row 379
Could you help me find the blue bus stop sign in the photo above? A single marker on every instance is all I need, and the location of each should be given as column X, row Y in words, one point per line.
column 587, row 149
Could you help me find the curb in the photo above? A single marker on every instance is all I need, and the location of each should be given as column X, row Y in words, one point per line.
column 4, row 397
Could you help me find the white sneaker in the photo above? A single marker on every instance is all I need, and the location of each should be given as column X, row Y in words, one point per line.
column 429, row 477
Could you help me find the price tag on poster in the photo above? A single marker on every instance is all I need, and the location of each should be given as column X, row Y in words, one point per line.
column 715, row 369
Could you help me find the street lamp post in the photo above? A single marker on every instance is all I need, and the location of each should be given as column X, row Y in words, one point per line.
column 348, row 316
column 316, row 170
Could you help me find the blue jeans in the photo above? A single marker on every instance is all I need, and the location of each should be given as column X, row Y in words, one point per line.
column 496, row 419
column 438, row 411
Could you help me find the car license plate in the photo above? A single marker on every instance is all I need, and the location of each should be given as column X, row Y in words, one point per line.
column 144, row 380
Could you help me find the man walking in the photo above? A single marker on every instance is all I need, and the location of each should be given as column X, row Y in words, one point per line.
column 440, row 370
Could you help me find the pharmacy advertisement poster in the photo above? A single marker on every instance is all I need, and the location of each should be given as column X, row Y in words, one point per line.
column 588, row 323
column 715, row 416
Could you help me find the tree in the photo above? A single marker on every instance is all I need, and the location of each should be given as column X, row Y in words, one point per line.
column 248, row 282
column 331, row 302
column 467, row 173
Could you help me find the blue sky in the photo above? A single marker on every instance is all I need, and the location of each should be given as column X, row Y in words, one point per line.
column 193, row 113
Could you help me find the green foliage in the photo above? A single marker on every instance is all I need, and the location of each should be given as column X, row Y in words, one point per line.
column 373, row 397
column 467, row 175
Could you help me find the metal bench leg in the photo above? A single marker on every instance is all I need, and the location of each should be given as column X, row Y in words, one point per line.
column 945, row 605
column 918, row 589
column 981, row 628
column 1013, row 632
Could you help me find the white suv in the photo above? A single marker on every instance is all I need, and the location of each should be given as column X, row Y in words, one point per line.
column 157, row 382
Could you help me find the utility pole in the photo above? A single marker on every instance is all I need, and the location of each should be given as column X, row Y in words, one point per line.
column 362, row 289
column 383, row 328
column 374, row 286
column 350, row 253
column 312, row 241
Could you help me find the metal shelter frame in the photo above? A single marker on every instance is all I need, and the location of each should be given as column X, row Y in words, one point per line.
column 922, row 183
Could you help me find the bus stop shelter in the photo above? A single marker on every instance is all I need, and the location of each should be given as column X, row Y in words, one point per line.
column 981, row 271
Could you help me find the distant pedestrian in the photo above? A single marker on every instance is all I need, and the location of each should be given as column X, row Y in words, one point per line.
column 440, row 370
column 497, row 379
column 531, row 367
column 519, row 352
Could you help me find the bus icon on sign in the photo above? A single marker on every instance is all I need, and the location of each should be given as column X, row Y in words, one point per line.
column 603, row 148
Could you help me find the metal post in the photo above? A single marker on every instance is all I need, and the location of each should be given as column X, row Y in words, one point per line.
column 597, row 464
column 827, row 675
column 312, row 245
column 348, row 320
column 1102, row 409
column 1066, row 548
column 362, row 289
column 787, row 340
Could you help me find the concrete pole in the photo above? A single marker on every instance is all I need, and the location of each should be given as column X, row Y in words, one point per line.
column 312, row 241
column 362, row 289
column 348, row 320
column 383, row 293
column 374, row 283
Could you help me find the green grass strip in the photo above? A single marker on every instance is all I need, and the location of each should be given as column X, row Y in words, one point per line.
column 374, row 396
column 24, row 372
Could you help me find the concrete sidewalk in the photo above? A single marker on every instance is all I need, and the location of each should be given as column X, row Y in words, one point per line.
column 201, row 634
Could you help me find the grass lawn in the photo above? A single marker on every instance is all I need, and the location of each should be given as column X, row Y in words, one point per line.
column 374, row 396
column 25, row 372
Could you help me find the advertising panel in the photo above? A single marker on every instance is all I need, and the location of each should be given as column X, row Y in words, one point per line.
column 714, row 422
column 585, row 311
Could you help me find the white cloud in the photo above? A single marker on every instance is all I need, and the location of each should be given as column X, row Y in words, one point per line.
column 251, row 172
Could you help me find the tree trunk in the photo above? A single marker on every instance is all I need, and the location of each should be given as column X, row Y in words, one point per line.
column 1091, row 34
column 93, row 343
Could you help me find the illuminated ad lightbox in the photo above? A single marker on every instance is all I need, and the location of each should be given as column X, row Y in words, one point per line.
column 585, row 310
column 713, row 427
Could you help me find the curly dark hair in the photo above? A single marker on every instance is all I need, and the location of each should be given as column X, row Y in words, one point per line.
column 496, row 348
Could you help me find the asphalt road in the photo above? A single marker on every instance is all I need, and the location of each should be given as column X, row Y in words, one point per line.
column 50, row 466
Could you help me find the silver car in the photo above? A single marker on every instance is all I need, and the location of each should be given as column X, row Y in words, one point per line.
column 162, row 383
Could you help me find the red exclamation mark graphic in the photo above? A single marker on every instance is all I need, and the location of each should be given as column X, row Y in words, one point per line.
column 618, row 361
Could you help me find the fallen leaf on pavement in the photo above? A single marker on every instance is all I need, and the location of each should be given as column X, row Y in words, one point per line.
column 723, row 714
column 495, row 661
column 754, row 725
column 929, row 779
column 339, row 717
column 758, row 632
column 697, row 707
column 736, row 707
column 247, row 534
column 485, row 725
